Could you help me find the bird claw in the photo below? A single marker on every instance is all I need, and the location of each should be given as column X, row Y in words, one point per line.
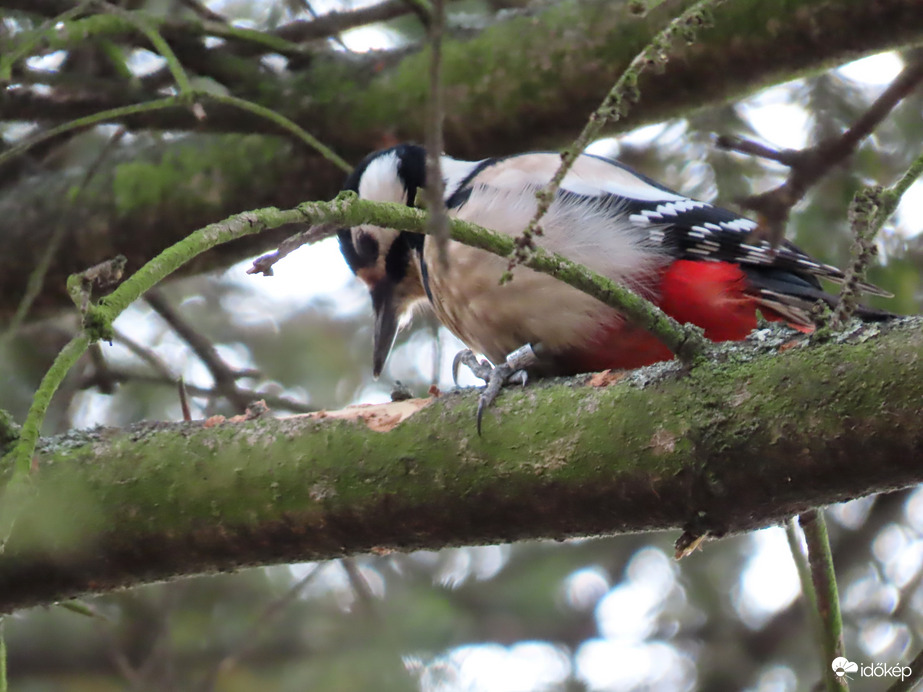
column 499, row 376
column 511, row 372
column 466, row 357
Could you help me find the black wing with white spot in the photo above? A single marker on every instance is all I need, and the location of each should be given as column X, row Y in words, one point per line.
column 696, row 230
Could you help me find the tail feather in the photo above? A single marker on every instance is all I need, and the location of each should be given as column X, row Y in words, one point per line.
column 796, row 309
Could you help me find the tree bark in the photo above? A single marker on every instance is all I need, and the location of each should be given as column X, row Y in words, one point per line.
column 741, row 442
column 523, row 83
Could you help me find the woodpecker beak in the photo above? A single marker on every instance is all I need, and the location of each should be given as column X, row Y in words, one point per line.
column 385, row 307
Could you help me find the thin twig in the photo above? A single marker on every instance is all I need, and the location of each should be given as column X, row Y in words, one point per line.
column 827, row 598
column 359, row 584
column 335, row 36
column 890, row 198
column 614, row 107
column 263, row 265
column 870, row 208
column 116, row 114
column 158, row 43
column 102, row 377
column 30, row 40
column 248, row 641
column 154, row 665
column 913, row 677
column 272, row 401
column 437, row 352
column 337, row 22
column 202, row 11
column 245, row 42
column 112, row 114
column 863, row 210
column 422, row 8
column 225, row 378
column 37, row 277
column 116, row 656
column 183, row 400
column 286, row 124
column 435, row 186
column 787, row 157
column 147, row 355
column 796, row 547
column 21, row 454
column 3, row 684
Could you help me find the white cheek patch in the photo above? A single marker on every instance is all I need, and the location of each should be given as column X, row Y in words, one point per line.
column 380, row 181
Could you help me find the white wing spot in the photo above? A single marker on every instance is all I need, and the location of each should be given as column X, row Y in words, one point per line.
column 739, row 225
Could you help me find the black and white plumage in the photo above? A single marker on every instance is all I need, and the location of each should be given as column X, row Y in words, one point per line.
column 697, row 261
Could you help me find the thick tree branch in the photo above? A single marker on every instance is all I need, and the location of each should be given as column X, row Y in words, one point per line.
column 740, row 443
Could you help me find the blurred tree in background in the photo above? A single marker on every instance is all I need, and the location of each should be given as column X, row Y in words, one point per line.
column 603, row 613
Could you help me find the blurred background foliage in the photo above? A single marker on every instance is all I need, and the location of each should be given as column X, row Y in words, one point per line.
column 613, row 613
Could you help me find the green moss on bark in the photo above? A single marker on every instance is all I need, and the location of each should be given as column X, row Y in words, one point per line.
column 739, row 443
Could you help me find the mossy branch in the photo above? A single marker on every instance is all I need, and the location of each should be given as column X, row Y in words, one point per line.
column 267, row 113
column 90, row 120
column 889, row 199
column 20, row 457
column 111, row 508
column 686, row 341
column 863, row 216
column 65, row 32
column 28, row 41
column 871, row 206
column 182, row 99
column 147, row 27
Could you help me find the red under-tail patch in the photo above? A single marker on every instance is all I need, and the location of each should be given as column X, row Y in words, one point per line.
column 711, row 295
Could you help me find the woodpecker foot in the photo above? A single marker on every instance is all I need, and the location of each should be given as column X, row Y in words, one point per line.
column 510, row 372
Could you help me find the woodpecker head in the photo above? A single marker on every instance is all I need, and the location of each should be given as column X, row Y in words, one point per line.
column 381, row 257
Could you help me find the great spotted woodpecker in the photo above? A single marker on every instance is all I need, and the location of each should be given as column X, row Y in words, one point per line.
column 696, row 261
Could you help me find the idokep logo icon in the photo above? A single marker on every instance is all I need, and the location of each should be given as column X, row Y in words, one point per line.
column 841, row 666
